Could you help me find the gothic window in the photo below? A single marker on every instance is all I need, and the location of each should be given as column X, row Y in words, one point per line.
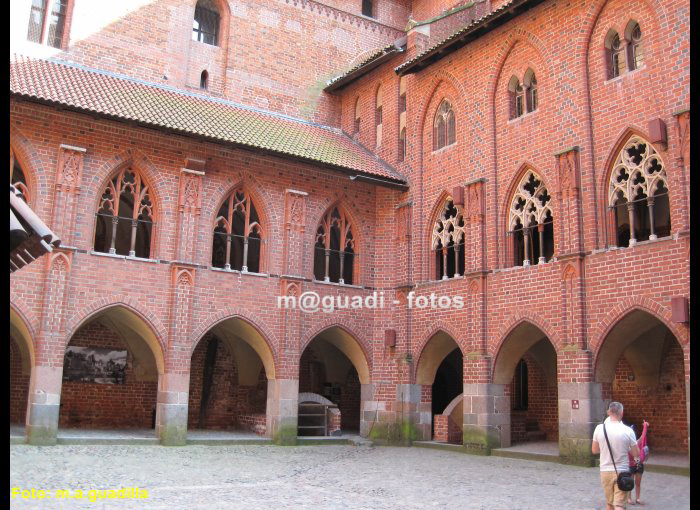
column 614, row 55
column 204, row 80
column 530, row 221
column 638, row 194
column 635, row 54
column 17, row 178
column 334, row 253
column 238, row 235
column 205, row 26
column 530, row 83
column 516, row 93
column 378, row 116
column 47, row 20
column 125, row 216
column 448, row 242
column 356, row 120
column 444, row 126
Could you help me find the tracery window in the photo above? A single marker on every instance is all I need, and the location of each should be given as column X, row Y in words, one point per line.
column 615, row 55
column 125, row 216
column 448, row 242
column 530, row 222
column 46, row 25
column 17, row 178
column 638, row 194
column 635, row 55
column 238, row 234
column 444, row 126
column 334, row 253
column 205, row 26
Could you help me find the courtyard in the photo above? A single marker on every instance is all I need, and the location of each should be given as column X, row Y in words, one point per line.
column 313, row 477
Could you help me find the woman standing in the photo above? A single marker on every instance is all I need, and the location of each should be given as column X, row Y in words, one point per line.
column 638, row 468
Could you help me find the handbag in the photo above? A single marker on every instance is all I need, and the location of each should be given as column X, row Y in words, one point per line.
column 625, row 480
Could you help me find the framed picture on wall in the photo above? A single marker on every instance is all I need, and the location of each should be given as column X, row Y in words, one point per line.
column 94, row 365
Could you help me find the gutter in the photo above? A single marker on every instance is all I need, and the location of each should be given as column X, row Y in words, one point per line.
column 399, row 46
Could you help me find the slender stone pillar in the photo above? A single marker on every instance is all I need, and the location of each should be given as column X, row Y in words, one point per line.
column 486, row 417
column 282, row 410
column 44, row 404
column 171, row 409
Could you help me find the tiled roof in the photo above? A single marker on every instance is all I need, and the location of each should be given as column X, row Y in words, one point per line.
column 357, row 70
column 465, row 34
column 213, row 119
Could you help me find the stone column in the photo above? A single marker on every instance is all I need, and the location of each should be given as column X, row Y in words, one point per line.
column 581, row 407
column 171, row 408
column 44, row 405
column 282, row 410
column 486, row 417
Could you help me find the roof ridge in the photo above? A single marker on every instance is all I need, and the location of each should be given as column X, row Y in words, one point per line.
column 175, row 90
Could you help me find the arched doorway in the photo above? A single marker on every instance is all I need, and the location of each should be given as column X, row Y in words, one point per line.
column 111, row 369
column 440, row 374
column 21, row 361
column 641, row 364
column 333, row 367
column 229, row 373
column 526, row 365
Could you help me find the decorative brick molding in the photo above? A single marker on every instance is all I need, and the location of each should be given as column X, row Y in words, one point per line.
column 294, row 228
column 69, row 174
column 189, row 209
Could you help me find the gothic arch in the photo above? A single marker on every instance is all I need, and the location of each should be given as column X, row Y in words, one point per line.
column 129, row 310
column 510, row 350
column 250, row 330
column 32, row 166
column 354, row 346
column 458, row 96
column 442, row 90
column 21, row 329
column 435, row 347
column 157, row 187
column 516, row 319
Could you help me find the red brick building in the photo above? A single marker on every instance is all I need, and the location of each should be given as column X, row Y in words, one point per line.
column 527, row 159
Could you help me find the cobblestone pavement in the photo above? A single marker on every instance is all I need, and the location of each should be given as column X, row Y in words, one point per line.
column 315, row 477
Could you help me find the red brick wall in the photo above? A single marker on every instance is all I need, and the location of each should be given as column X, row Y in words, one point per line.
column 91, row 405
column 663, row 405
column 231, row 405
column 19, row 385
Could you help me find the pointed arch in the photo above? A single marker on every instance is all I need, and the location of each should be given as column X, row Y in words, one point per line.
column 337, row 246
column 447, row 236
column 517, row 341
column 434, row 350
column 21, row 330
column 240, row 230
column 23, row 154
column 343, row 337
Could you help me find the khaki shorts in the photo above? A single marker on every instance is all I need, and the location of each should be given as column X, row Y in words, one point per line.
column 613, row 495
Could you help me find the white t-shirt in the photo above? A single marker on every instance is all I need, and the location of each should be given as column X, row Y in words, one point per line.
column 621, row 439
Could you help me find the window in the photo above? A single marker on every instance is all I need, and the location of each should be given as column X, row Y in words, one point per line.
column 402, row 119
column 635, row 55
column 334, row 253
column 615, row 55
column 205, row 27
column 520, row 386
column 238, row 235
column 444, row 126
column 17, row 178
column 638, row 195
column 531, row 229
column 516, row 93
column 378, row 115
column 125, row 216
column 367, row 8
column 530, row 82
column 448, row 242
column 46, row 25
column 356, row 125
column 204, row 80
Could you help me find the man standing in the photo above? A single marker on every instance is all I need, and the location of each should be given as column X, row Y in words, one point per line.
column 622, row 441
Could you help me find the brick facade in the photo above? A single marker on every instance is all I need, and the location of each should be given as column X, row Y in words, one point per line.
column 278, row 57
